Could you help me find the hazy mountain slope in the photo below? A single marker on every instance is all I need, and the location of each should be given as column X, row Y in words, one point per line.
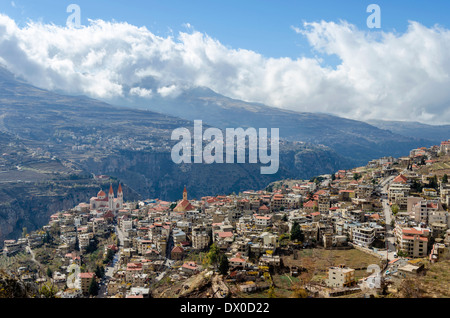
column 353, row 139
column 433, row 133
column 134, row 145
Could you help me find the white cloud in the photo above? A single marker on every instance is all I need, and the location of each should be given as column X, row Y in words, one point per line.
column 141, row 92
column 381, row 75
column 169, row 91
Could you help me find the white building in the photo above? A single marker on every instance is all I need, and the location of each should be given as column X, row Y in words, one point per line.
column 363, row 236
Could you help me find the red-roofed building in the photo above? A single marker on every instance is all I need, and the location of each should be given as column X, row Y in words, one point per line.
column 399, row 191
column 223, row 235
column 445, row 147
column 262, row 221
column 85, row 281
column 184, row 205
column 190, row 268
column 263, row 209
column 400, row 179
column 424, row 208
column 413, row 241
column 237, row 262
column 310, row 206
column 177, row 253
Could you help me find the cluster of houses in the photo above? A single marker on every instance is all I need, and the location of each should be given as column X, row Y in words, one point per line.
column 158, row 238
column 422, row 222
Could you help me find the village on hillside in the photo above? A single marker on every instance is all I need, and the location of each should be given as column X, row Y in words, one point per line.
column 381, row 230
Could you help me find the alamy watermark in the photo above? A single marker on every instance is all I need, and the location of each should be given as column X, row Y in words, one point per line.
column 374, row 280
column 74, row 20
column 236, row 143
column 374, row 20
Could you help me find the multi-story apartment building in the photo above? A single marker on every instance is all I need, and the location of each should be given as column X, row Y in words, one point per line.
column 412, row 241
column 363, row 236
column 200, row 237
column 341, row 277
column 262, row 221
column 324, row 204
column 85, row 281
column 399, row 190
column 422, row 209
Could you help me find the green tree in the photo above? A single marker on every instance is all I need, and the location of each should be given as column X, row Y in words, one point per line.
column 93, row 287
column 100, row 271
column 77, row 243
column 109, row 256
column 47, row 238
column 433, row 182
column 395, row 209
column 284, row 218
column 48, row 291
column 224, row 265
column 416, row 186
column 49, row 272
column 445, row 178
column 92, row 247
column 213, row 256
column 296, row 232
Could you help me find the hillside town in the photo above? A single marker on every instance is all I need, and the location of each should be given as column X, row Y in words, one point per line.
column 365, row 232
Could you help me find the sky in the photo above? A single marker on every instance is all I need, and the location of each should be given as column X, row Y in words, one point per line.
column 317, row 56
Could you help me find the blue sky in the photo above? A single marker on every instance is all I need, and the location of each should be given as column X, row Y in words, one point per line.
column 260, row 25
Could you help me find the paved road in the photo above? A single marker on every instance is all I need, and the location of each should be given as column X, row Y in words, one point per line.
column 110, row 270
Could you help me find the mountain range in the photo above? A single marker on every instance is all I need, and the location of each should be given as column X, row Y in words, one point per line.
column 358, row 142
column 134, row 145
column 52, row 141
column 433, row 133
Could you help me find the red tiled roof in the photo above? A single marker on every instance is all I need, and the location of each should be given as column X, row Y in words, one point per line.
column 310, row 204
column 225, row 234
column 190, row 265
column 400, row 179
column 86, row 275
column 177, row 249
column 413, row 231
column 237, row 260
column 101, row 193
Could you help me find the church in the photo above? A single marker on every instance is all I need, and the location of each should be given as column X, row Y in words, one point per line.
column 107, row 202
column 184, row 205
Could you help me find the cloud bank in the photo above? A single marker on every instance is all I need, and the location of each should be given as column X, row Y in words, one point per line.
column 380, row 75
